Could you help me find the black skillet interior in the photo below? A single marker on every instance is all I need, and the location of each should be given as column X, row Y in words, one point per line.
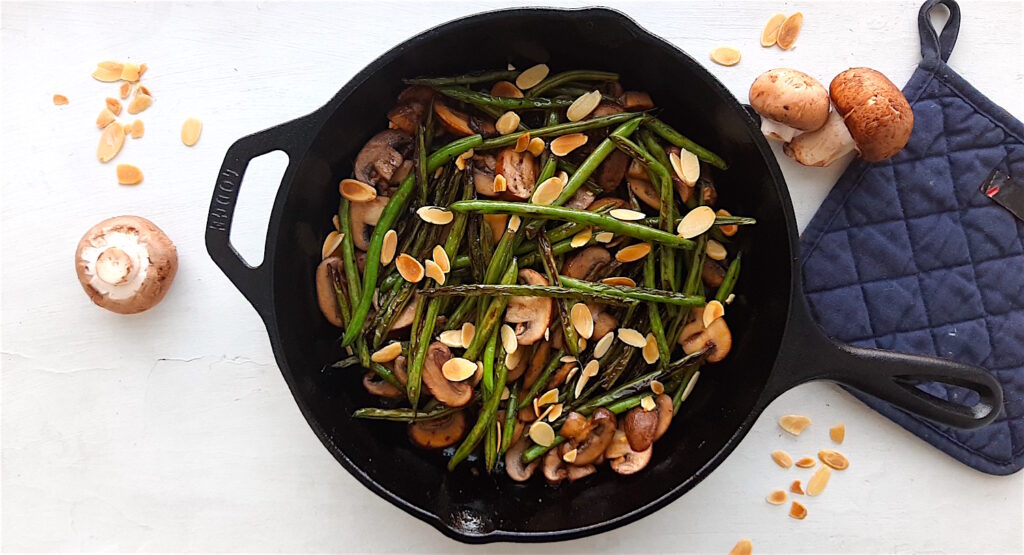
column 466, row 504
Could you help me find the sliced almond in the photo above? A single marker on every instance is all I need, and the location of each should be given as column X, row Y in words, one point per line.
column 512, row 360
column 554, row 411
column 604, row 237
column 727, row 230
column 591, row 369
column 544, row 414
column 547, row 191
column 468, row 333
column 332, row 244
column 782, row 458
column 435, row 215
column 730, row 298
column 142, row 69
column 770, row 34
column 794, row 423
column 696, row 221
column 650, row 350
column 582, row 319
column 452, row 338
column 550, row 396
column 686, row 166
column 657, row 387
column 128, row 174
column 689, row 386
column 500, row 184
column 581, row 345
column 776, row 497
column 572, row 372
column 357, row 191
column 143, row 89
column 114, row 105
column 387, row 248
column 798, row 511
column 141, row 101
column 505, row 394
column 633, row 252
column 582, row 106
column 387, row 353
column 500, row 425
column 505, row 89
column 796, row 488
column 457, row 369
column 818, row 481
column 713, row 311
column 716, row 251
column 137, row 129
column 581, row 238
column 460, row 163
column 441, row 257
column 834, row 459
column 336, row 222
column 190, row 130
column 620, row 281
column 725, row 56
column 837, row 433
column 530, row 77
column 105, row 118
column 522, row 143
column 647, row 403
column 567, row 143
column 108, row 72
column 631, row 337
column 130, row 72
column 409, row 268
column 125, row 90
column 513, row 223
column 742, row 547
column 507, row 123
column 59, row 100
column 790, row 30
column 536, row 146
column 111, row 141
column 603, row 344
column 580, row 384
column 567, row 359
column 542, row 433
column 433, row 271
column 569, row 456
column 508, row 339
column 626, row 214
column 805, row 462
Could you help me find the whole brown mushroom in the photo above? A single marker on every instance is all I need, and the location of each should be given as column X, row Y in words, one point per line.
column 790, row 102
column 126, row 264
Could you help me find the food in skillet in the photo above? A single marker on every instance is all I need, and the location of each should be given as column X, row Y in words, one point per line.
column 532, row 268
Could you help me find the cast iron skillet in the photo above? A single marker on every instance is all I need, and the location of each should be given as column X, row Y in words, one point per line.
column 777, row 345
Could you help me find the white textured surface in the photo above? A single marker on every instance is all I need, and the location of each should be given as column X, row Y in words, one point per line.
column 173, row 431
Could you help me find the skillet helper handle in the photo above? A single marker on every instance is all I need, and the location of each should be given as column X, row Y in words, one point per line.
column 252, row 281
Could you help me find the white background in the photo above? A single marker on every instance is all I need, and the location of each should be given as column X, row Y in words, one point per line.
column 173, row 430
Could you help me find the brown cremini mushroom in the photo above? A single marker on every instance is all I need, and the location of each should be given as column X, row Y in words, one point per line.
column 790, row 102
column 438, row 433
column 363, row 217
column 632, row 462
column 530, row 316
column 126, row 264
column 580, row 472
column 483, row 174
column 636, row 101
column 453, row 394
column 611, row 172
column 537, row 363
column 520, row 172
column 412, row 105
column 554, row 467
column 514, row 466
column 604, row 323
column 381, row 156
column 374, row 385
column 586, row 262
column 329, row 270
column 405, row 317
column 713, row 273
column 601, row 429
column 575, row 428
column 640, row 427
column 716, row 337
column 664, row 408
column 618, row 446
column 582, row 199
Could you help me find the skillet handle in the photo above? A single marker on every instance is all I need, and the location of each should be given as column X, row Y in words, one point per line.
column 252, row 281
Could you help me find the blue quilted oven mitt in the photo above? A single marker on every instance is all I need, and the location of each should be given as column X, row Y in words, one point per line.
column 923, row 253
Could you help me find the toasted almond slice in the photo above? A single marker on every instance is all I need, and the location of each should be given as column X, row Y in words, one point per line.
column 435, row 215
column 591, row 369
column 337, row 223
column 798, row 511
column 190, row 130
column 536, row 409
column 604, row 237
column 742, row 547
column 457, row 369
column 631, row 337
column 776, row 497
column 105, row 118
column 633, row 252
column 536, row 146
column 554, row 411
column 452, row 338
column 696, row 221
column 500, row 425
column 128, row 174
column 603, row 344
column 689, row 386
column 499, row 184
column 582, row 320
column 582, row 106
column 794, row 423
column 509, row 341
column 572, row 372
column 547, row 334
column 130, row 72
column 567, row 359
column 569, row 456
column 512, row 360
column 530, row 77
column 835, row 459
column 409, row 268
column 143, row 89
column 725, row 56
column 111, row 141
column 647, row 403
column 567, row 143
column 125, row 90
column 438, row 172
column 650, row 350
column 468, row 333
column 547, row 192
column 460, row 163
column 387, row 249
column 796, row 488
column 141, row 101
column 782, row 458
column 620, row 281
column 357, row 191
column 513, row 223
column 581, row 345
column 837, row 432
column 59, row 100
column 727, row 230
column 505, row 89
column 544, row 414
column 580, row 384
column 387, row 353
column 770, row 34
column 730, row 298
column 142, row 69
column 626, row 214
column 818, row 481
column 137, row 129
column 441, row 257
column 790, row 30
column 805, row 462
column 713, row 311
column 550, row 396
column 581, row 238
column 522, row 143
column 686, row 166
column 108, row 72
column 433, row 271
column 716, row 251
column 507, row 123
column 331, row 244
column 505, row 393
column 542, row 433
column 114, row 105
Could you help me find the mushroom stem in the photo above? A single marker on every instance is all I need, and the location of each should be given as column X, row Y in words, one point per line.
column 114, row 266
column 824, row 146
column 778, row 131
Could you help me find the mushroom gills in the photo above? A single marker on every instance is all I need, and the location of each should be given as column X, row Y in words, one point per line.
column 438, row 433
column 514, row 461
column 329, row 270
column 824, row 146
column 778, row 131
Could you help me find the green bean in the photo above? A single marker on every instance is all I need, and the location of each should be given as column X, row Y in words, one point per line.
column 492, row 346
column 558, row 79
column 664, row 351
column 492, row 316
column 510, row 420
column 729, row 282
column 477, row 260
column 559, row 129
column 421, row 164
column 570, row 168
column 505, row 103
column 394, row 310
column 348, row 253
column 677, row 398
column 461, row 313
column 694, row 358
column 414, row 377
column 404, row 414
column 631, row 387
column 394, row 208
column 623, row 292
column 490, row 447
column 693, row 280
column 505, row 291
column 618, row 407
column 485, row 419
column 347, row 362
column 720, row 220
column 542, row 380
column 595, row 158
column 601, row 221
column 466, row 79
column 672, row 136
column 569, row 336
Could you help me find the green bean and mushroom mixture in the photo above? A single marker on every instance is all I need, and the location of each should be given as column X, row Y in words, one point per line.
column 531, row 267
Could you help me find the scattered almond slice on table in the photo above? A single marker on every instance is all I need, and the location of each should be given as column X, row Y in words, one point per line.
column 128, row 174
column 805, row 462
column 190, row 130
column 782, row 458
column 837, row 433
column 796, row 488
column 742, row 547
column 818, row 481
column 136, row 129
column 770, row 34
column 790, row 30
column 111, row 141
column 725, row 56
column 834, row 459
column 798, row 511
column 794, row 423
column 776, row 497
column 114, row 105
column 60, row 100
column 140, row 102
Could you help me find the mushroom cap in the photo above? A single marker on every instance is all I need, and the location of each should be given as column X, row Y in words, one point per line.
column 325, row 296
column 790, row 97
column 875, row 111
column 531, row 315
column 381, row 156
column 140, row 253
